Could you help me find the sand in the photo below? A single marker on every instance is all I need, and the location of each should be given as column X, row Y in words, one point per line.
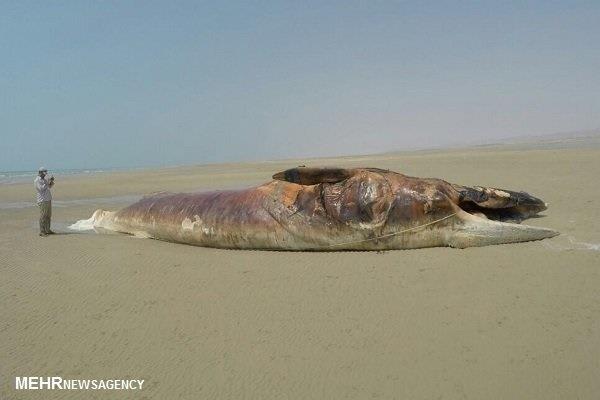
column 502, row 322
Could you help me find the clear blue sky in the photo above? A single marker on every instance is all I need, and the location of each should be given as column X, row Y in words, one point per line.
column 88, row 84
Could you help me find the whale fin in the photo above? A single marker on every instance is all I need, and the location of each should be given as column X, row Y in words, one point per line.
column 475, row 231
column 313, row 176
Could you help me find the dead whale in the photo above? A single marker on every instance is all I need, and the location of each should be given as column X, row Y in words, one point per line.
column 328, row 209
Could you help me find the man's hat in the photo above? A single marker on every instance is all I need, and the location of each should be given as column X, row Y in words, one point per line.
column 43, row 169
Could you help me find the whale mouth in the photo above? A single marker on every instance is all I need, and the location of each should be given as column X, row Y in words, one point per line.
column 500, row 204
column 509, row 214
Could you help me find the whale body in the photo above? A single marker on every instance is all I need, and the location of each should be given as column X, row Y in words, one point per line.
column 328, row 209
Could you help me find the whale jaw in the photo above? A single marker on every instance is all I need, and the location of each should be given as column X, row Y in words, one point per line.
column 476, row 231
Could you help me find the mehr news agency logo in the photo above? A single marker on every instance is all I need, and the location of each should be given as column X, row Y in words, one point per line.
column 59, row 383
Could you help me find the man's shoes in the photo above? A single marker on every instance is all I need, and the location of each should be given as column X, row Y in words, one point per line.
column 43, row 234
column 51, row 233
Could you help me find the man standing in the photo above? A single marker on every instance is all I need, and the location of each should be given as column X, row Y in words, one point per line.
column 44, row 200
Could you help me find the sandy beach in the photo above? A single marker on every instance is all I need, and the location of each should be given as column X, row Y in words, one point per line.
column 518, row 321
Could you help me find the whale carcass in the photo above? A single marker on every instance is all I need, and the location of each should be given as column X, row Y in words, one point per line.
column 327, row 209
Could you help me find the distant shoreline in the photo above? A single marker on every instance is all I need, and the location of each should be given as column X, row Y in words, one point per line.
column 581, row 139
column 14, row 177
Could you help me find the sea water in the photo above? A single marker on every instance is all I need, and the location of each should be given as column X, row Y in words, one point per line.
column 12, row 177
column 15, row 177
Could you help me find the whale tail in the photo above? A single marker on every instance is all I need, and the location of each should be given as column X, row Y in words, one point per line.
column 476, row 231
column 99, row 222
